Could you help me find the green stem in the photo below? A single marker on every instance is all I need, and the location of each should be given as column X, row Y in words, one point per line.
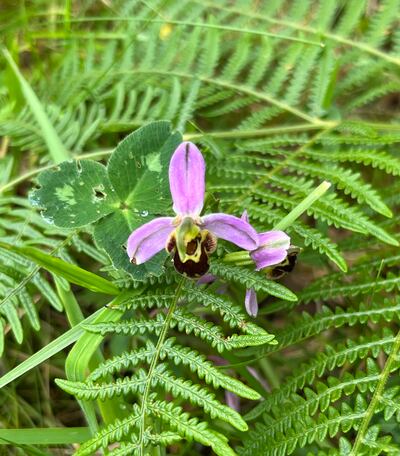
column 240, row 134
column 199, row 24
column 67, row 16
column 270, row 373
column 264, row 179
column 86, row 354
column 52, row 348
column 303, row 206
column 237, row 257
column 44, row 436
column 243, row 256
column 153, row 364
column 377, row 396
column 75, row 317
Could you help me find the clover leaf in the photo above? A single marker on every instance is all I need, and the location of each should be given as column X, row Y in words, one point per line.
column 117, row 198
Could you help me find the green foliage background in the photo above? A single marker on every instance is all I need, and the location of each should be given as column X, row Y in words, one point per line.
column 280, row 95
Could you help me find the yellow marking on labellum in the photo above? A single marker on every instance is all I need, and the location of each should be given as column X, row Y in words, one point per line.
column 187, row 232
column 196, row 247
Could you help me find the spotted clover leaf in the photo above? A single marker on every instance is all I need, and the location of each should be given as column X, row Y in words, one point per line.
column 131, row 190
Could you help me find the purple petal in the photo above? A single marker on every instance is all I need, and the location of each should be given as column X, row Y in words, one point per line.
column 245, row 216
column 258, row 377
column 273, row 249
column 222, row 289
column 232, row 229
column 149, row 239
column 251, row 303
column 269, row 257
column 206, row 279
column 274, row 239
column 218, row 360
column 232, row 400
column 187, row 179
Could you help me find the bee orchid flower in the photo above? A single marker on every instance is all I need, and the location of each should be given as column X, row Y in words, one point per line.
column 272, row 249
column 189, row 237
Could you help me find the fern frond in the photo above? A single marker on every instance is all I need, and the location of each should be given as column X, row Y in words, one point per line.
column 190, row 428
column 237, row 78
column 163, row 438
column 179, row 355
column 387, row 284
column 131, row 327
column 146, row 301
column 251, row 279
column 196, row 394
column 185, row 322
column 330, row 359
column 375, row 158
column 349, row 182
column 309, row 326
column 114, row 432
column 306, row 431
column 231, row 313
column 281, row 419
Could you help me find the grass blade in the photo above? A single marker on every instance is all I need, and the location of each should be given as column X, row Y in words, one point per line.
column 56, row 148
column 52, row 348
column 74, row 274
column 44, row 436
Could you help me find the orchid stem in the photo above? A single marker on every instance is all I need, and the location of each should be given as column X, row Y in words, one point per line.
column 235, row 257
column 303, row 206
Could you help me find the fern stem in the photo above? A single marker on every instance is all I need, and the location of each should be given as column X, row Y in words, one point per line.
column 228, row 28
column 240, row 134
column 377, row 396
column 233, row 134
column 243, row 257
column 153, row 364
column 228, row 134
column 67, row 16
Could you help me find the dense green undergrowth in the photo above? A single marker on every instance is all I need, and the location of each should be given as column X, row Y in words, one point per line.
column 99, row 356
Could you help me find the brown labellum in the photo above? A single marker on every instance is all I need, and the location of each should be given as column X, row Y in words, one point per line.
column 286, row 266
column 190, row 268
column 198, row 251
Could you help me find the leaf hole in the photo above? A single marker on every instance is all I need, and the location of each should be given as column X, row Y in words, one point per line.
column 99, row 192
